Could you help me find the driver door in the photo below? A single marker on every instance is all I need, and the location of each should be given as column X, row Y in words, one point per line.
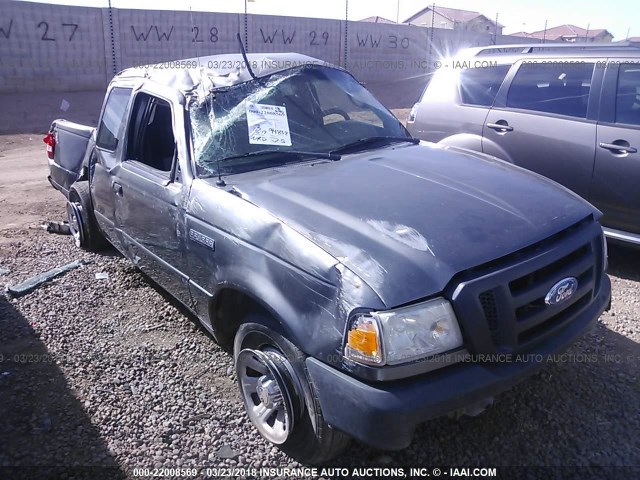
column 149, row 192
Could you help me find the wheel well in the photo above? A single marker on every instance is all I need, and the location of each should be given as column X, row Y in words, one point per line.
column 73, row 195
column 229, row 309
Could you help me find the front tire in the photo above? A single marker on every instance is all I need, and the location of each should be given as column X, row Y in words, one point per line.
column 82, row 223
column 279, row 397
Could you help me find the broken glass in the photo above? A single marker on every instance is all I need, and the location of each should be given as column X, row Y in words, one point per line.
column 310, row 108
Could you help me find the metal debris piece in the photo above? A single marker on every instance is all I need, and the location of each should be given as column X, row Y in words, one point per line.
column 102, row 276
column 61, row 228
column 153, row 327
column 4, row 271
column 37, row 280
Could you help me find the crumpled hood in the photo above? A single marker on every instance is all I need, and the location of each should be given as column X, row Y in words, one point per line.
column 407, row 218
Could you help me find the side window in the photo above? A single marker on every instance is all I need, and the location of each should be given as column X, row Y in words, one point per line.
column 628, row 94
column 479, row 86
column 561, row 88
column 112, row 118
column 151, row 139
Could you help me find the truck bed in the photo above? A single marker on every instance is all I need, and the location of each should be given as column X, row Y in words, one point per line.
column 72, row 141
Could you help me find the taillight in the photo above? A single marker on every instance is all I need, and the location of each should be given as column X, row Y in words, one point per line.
column 50, row 141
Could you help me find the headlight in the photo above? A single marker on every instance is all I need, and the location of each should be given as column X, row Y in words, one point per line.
column 403, row 335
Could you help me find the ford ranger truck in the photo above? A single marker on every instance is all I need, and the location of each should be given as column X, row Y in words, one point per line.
column 367, row 281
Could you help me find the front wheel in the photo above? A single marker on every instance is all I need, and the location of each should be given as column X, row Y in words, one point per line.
column 279, row 398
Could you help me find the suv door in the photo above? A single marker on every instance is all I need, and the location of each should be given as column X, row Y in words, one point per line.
column 456, row 101
column 544, row 120
column 615, row 188
column 149, row 194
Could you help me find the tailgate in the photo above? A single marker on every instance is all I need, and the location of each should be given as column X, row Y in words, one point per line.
column 71, row 142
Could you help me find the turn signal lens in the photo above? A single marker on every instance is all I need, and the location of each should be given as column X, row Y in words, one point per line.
column 363, row 341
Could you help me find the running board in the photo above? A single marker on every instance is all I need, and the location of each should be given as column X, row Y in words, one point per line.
column 621, row 235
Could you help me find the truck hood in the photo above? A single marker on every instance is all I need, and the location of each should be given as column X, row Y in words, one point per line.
column 407, row 218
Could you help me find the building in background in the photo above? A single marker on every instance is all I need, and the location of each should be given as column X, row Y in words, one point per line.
column 632, row 40
column 569, row 33
column 454, row 19
column 377, row 20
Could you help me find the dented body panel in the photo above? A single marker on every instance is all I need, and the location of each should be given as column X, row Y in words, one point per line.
column 320, row 239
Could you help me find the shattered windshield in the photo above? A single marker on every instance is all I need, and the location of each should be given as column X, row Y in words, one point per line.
column 308, row 109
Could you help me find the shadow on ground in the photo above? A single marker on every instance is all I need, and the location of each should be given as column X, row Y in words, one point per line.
column 44, row 432
column 624, row 261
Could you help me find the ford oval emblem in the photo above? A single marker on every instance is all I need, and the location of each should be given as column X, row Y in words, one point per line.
column 561, row 291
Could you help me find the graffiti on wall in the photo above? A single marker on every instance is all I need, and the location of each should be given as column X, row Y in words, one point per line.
column 44, row 30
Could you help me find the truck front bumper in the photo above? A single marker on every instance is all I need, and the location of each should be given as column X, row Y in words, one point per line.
column 386, row 414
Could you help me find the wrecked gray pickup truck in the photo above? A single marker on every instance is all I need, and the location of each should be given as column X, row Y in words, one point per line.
column 367, row 282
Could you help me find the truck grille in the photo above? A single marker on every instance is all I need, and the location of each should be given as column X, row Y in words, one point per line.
column 508, row 295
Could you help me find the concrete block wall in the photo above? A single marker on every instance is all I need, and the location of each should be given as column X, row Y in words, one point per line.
column 57, row 48
column 45, row 46
column 319, row 38
column 152, row 36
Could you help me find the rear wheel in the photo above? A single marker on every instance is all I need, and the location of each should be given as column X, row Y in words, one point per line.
column 82, row 223
column 279, row 398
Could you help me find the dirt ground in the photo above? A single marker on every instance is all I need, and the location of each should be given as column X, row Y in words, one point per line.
column 26, row 198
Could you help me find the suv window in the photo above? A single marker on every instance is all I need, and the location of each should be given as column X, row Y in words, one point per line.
column 112, row 118
column 479, row 86
column 628, row 94
column 151, row 139
column 328, row 97
column 561, row 88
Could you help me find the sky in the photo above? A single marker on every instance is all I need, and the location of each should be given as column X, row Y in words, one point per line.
column 617, row 16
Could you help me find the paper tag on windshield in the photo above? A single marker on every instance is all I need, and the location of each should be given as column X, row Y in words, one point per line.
column 268, row 124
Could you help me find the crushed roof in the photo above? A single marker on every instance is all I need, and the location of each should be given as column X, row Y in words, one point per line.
column 218, row 71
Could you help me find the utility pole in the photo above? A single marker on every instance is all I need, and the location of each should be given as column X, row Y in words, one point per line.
column 246, row 24
column 544, row 35
column 586, row 35
column 346, row 34
column 433, row 19
column 495, row 31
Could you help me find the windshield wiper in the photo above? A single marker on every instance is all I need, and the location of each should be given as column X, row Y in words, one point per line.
column 297, row 153
column 370, row 140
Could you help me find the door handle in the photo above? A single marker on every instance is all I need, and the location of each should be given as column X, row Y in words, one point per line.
column 500, row 127
column 619, row 148
column 117, row 188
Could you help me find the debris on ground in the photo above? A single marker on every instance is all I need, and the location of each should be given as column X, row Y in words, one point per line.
column 34, row 282
column 226, row 452
column 102, row 276
column 61, row 228
column 4, row 271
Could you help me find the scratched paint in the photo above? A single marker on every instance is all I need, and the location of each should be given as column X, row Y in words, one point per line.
column 402, row 233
